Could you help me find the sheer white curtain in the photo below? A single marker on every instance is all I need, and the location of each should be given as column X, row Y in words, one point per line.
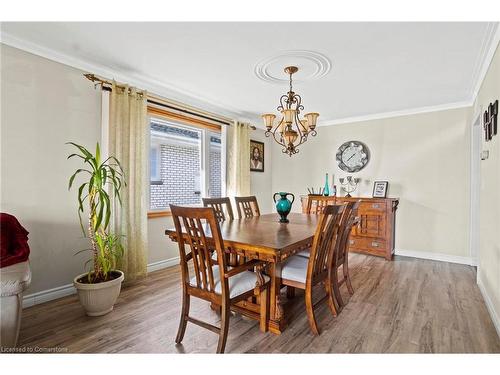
column 238, row 159
column 128, row 143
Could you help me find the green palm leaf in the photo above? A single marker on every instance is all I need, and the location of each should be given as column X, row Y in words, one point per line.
column 104, row 178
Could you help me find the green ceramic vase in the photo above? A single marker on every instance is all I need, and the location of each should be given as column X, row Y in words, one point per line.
column 283, row 205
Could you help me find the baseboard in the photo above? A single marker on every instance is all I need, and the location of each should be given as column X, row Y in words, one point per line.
column 495, row 316
column 66, row 290
column 48, row 295
column 155, row 266
column 436, row 256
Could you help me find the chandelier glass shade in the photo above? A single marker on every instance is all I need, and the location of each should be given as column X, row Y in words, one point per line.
column 290, row 131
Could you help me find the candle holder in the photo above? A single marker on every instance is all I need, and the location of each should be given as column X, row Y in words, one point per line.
column 349, row 184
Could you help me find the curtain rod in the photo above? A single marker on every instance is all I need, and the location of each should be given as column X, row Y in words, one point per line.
column 102, row 82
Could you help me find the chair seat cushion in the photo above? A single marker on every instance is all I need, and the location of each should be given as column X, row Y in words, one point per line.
column 238, row 284
column 295, row 269
column 15, row 279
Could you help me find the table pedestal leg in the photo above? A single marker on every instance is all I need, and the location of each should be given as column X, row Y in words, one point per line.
column 277, row 319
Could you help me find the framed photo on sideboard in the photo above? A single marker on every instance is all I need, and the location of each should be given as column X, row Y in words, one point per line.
column 380, row 189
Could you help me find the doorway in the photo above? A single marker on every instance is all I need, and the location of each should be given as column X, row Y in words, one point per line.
column 475, row 184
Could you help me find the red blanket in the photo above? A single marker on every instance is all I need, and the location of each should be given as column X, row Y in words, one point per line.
column 13, row 241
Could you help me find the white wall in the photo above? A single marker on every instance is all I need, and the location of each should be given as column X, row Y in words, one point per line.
column 43, row 105
column 489, row 248
column 424, row 157
column 261, row 181
column 160, row 246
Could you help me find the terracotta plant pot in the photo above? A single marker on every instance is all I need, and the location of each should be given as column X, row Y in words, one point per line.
column 98, row 299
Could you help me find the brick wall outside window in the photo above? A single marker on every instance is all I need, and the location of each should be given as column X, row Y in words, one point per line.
column 215, row 173
column 179, row 167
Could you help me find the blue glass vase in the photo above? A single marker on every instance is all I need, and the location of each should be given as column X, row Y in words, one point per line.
column 283, row 205
column 326, row 190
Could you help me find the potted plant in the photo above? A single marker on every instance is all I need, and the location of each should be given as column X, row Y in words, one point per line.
column 98, row 289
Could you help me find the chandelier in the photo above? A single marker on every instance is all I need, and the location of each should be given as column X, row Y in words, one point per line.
column 291, row 131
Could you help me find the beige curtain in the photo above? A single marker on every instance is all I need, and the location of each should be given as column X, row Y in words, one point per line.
column 128, row 143
column 238, row 159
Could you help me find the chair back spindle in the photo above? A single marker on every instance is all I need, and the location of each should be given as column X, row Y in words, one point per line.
column 222, row 207
column 349, row 219
column 247, row 207
column 316, row 204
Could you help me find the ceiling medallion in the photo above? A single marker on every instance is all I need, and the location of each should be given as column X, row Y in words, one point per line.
column 291, row 131
column 313, row 65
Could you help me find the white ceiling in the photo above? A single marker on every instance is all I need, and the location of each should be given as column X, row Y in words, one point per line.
column 374, row 67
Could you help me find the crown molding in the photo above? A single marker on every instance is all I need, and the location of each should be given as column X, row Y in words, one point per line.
column 144, row 82
column 404, row 112
column 490, row 44
column 384, row 115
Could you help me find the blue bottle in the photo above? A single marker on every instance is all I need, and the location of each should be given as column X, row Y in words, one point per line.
column 326, row 190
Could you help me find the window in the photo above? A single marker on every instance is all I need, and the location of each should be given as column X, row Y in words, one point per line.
column 179, row 152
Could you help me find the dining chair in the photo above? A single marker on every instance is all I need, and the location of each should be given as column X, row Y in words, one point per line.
column 317, row 203
column 213, row 281
column 247, row 207
column 222, row 207
column 341, row 259
column 305, row 273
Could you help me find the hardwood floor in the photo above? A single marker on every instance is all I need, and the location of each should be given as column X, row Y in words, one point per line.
column 405, row 306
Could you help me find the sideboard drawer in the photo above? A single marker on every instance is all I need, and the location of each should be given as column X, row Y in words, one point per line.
column 373, row 207
column 367, row 243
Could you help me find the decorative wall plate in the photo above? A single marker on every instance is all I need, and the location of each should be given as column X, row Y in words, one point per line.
column 352, row 156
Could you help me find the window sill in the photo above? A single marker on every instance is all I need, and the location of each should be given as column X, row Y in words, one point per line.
column 157, row 214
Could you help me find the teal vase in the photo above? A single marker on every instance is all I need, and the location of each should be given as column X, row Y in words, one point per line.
column 283, row 205
column 326, row 190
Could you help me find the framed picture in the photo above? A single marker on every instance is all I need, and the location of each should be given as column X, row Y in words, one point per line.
column 380, row 189
column 256, row 156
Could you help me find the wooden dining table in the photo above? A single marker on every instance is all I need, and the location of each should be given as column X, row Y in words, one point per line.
column 265, row 238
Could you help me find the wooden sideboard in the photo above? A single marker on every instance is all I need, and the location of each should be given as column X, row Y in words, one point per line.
column 375, row 232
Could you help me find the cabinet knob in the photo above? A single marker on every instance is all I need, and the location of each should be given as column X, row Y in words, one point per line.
column 374, row 244
column 351, row 242
column 375, row 205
